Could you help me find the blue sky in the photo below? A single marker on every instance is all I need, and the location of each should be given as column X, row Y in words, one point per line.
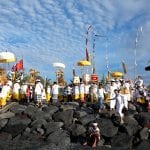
column 47, row 31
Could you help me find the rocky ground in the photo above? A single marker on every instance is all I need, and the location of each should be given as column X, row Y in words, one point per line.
column 63, row 126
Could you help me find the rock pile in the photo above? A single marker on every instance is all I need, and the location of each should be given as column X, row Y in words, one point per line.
column 63, row 127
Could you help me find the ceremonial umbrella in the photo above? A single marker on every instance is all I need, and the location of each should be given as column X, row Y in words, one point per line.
column 6, row 57
column 117, row 74
column 147, row 68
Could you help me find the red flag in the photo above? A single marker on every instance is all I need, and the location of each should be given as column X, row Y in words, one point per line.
column 18, row 66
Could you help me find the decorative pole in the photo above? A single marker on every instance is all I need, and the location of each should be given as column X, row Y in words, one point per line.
column 135, row 50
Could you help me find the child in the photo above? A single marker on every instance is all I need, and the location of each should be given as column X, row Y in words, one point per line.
column 93, row 135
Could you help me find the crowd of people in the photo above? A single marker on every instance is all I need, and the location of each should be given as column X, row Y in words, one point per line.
column 81, row 92
column 117, row 93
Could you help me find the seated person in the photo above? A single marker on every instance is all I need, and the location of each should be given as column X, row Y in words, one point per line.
column 93, row 135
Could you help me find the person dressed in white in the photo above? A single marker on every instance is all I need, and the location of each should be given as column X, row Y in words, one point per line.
column 119, row 105
column 124, row 91
column 48, row 93
column 82, row 92
column 38, row 92
column 16, row 91
column 55, row 92
column 139, row 82
column 101, row 93
column 87, row 91
column 4, row 94
column 23, row 90
column 76, row 92
column 112, row 95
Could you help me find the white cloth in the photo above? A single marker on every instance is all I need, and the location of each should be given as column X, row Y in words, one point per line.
column 38, row 88
column 76, row 90
column 101, row 92
column 87, row 88
column 16, row 88
column 55, row 89
column 119, row 105
column 112, row 97
column 81, row 88
column 4, row 91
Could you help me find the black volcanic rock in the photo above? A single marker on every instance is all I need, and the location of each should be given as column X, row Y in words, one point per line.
column 59, row 137
column 18, row 109
column 52, row 127
column 3, row 122
column 87, row 119
column 122, row 142
column 144, row 145
column 64, row 116
column 144, row 133
column 107, row 128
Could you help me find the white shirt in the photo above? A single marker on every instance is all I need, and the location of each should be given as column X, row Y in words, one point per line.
column 55, row 89
column 101, row 92
column 39, row 88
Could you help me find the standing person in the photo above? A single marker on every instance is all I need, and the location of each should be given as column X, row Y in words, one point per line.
column 23, row 90
column 112, row 95
column 87, row 91
column 3, row 95
column 38, row 92
column 123, row 92
column 48, row 93
column 93, row 92
column 28, row 94
column 69, row 93
column 16, row 91
column 101, row 92
column 55, row 92
column 81, row 88
column 76, row 92
column 119, row 105
column 93, row 136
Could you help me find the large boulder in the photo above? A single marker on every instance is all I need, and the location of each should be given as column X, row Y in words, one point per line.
column 7, row 115
column 59, row 137
column 7, row 107
column 143, row 119
column 52, row 127
column 19, row 119
column 144, row 133
column 41, row 115
column 3, row 122
column 122, row 142
column 64, row 116
column 107, row 128
column 87, row 119
column 79, row 114
column 51, row 109
column 18, row 109
column 38, row 123
column 144, row 145
column 14, row 130
column 131, row 125
column 77, row 129
column 30, row 111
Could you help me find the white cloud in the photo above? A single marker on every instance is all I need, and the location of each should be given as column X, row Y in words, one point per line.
column 47, row 31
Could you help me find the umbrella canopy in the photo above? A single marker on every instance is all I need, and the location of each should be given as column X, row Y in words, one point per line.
column 6, row 57
column 117, row 74
column 59, row 65
column 147, row 68
column 83, row 63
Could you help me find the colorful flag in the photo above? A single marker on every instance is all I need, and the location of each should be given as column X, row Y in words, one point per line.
column 18, row 66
